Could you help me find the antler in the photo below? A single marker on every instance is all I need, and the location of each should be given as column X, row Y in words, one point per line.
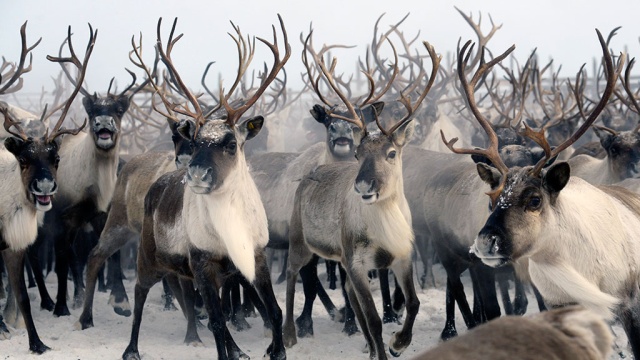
column 72, row 59
column 482, row 39
column 82, row 69
column 627, row 89
column 406, row 101
column 235, row 114
column 612, row 77
column 15, row 74
column 490, row 152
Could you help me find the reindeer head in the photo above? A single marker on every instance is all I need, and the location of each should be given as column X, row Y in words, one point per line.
column 105, row 116
column 217, row 144
column 38, row 156
column 379, row 156
column 38, row 161
column 218, row 150
column 343, row 136
column 623, row 151
column 524, row 200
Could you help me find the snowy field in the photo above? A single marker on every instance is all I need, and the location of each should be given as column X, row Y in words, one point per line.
column 162, row 332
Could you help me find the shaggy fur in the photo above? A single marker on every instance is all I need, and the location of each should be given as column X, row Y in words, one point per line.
column 561, row 334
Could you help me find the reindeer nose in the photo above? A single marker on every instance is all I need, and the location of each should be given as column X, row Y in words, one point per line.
column 199, row 174
column 365, row 186
column 45, row 187
column 488, row 243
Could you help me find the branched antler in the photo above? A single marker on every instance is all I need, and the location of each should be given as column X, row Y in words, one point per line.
column 15, row 73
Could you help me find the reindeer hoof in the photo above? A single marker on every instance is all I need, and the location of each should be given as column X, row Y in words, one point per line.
column 240, row 323
column 398, row 344
column 277, row 354
column 38, row 347
column 448, row 332
column 305, row 326
column 47, row 304
column 130, row 354
column 120, row 307
column 390, row 317
column 61, row 310
column 350, row 328
column 83, row 323
column 4, row 332
column 289, row 334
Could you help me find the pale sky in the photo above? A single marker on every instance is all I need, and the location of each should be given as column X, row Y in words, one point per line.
column 560, row 29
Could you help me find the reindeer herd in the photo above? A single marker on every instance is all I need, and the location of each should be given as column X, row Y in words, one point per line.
column 215, row 188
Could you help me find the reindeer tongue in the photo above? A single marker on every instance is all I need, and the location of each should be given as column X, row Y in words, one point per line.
column 104, row 135
column 43, row 199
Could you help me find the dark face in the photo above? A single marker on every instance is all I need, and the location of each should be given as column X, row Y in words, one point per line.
column 38, row 166
column 342, row 136
column 217, row 152
column 517, row 222
column 380, row 164
column 561, row 132
column 105, row 116
column 623, row 152
column 515, row 156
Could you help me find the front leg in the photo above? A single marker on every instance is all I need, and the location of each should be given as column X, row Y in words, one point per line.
column 263, row 286
column 403, row 271
column 15, row 265
column 357, row 287
column 206, row 269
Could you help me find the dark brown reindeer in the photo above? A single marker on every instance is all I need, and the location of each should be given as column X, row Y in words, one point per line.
column 580, row 240
column 207, row 220
column 29, row 172
column 371, row 229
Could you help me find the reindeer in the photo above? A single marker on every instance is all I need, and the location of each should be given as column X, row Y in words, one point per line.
column 29, row 171
column 206, row 220
column 278, row 174
column 357, row 214
column 83, row 195
column 572, row 332
column 544, row 216
column 622, row 148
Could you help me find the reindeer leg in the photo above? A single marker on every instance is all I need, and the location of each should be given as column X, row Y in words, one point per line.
column 398, row 301
column 284, row 261
column 187, row 302
column 541, row 305
column 32, row 252
column 63, row 250
column 252, row 295
column 309, row 274
column 487, row 285
column 4, row 332
column 168, row 292
column 205, row 270
column 141, row 291
column 237, row 314
column 355, row 306
column 521, row 302
column 331, row 273
column 388, row 315
column 263, row 286
column 503, row 283
column 15, row 265
column 111, row 240
column 365, row 308
column 349, row 317
column 3, row 293
column 403, row 270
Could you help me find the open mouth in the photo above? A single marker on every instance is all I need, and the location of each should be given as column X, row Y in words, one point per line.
column 104, row 134
column 370, row 198
column 342, row 141
column 43, row 200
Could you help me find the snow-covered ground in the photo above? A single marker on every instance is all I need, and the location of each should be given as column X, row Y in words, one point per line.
column 162, row 332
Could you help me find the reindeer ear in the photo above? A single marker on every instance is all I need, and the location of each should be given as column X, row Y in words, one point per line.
column 14, row 145
column 123, row 105
column 319, row 113
column 403, row 134
column 556, row 177
column 371, row 111
column 606, row 139
column 186, row 129
column 488, row 174
column 479, row 159
column 251, row 127
column 88, row 102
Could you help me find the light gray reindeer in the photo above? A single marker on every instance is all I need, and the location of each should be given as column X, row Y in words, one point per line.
column 28, row 166
column 357, row 214
column 581, row 241
column 207, row 220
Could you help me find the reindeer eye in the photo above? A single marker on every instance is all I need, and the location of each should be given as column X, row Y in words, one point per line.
column 534, row 203
column 391, row 154
column 231, row 147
